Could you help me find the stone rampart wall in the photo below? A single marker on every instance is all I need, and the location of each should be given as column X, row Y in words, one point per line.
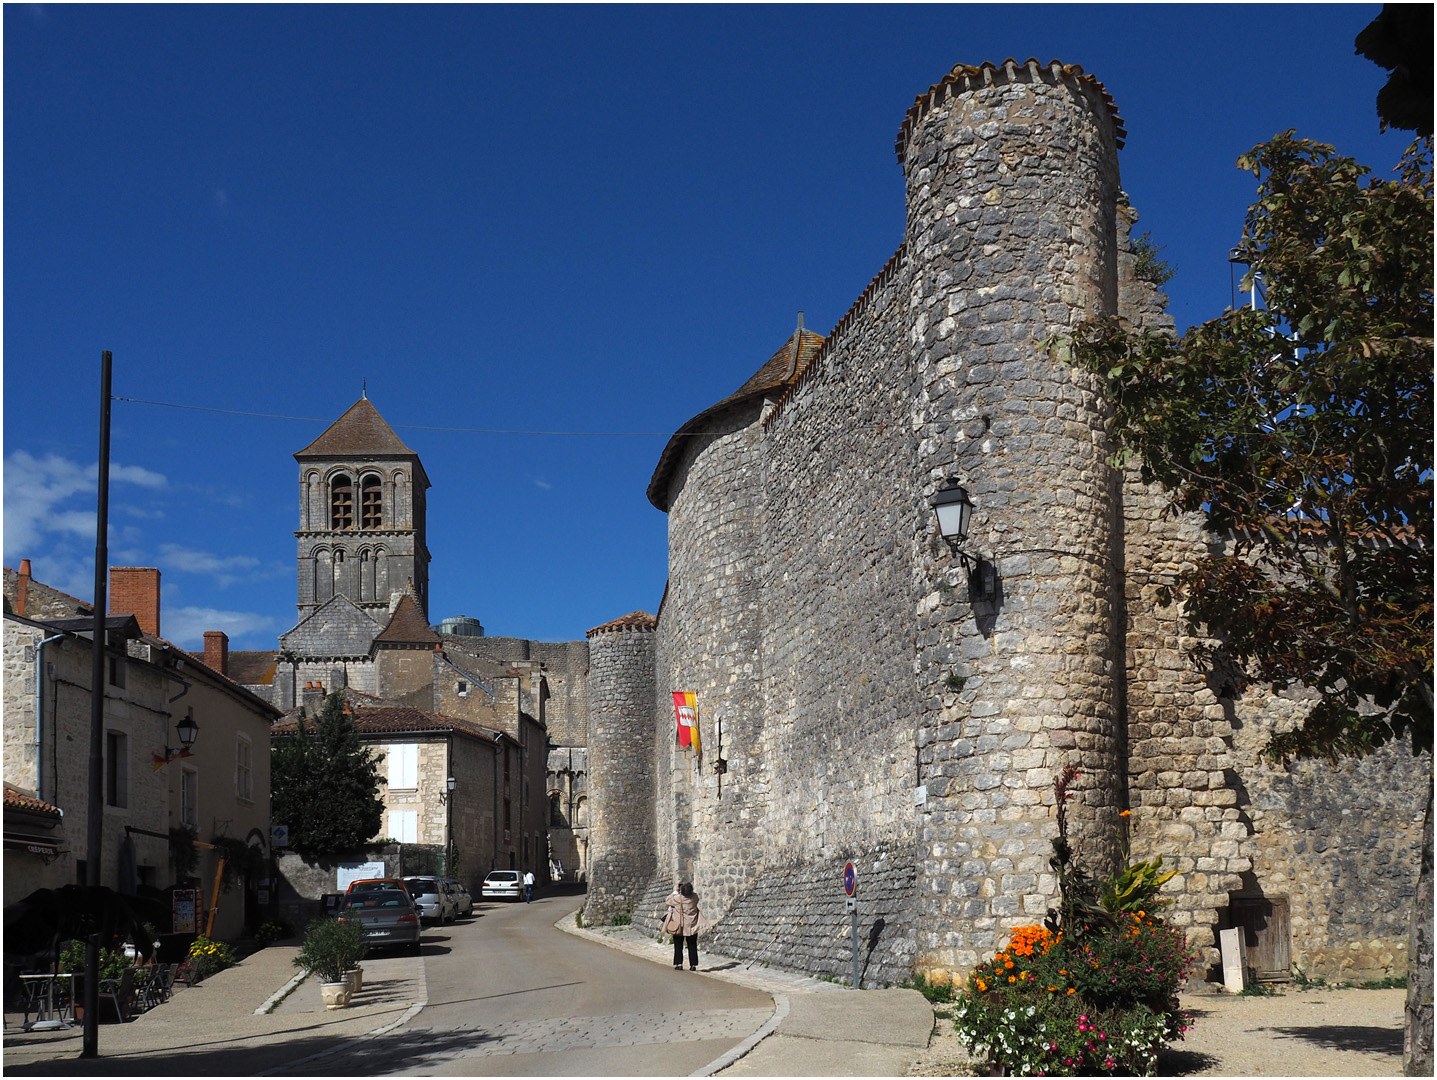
column 835, row 584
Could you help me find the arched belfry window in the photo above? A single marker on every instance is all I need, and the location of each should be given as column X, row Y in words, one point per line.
column 371, row 503
column 341, row 502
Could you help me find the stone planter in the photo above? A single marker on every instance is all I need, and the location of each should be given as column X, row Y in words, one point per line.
column 355, row 975
column 335, row 994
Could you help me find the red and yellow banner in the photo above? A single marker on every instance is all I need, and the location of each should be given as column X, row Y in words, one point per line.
column 686, row 710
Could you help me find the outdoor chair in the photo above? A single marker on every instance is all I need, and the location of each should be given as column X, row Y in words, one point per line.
column 119, row 992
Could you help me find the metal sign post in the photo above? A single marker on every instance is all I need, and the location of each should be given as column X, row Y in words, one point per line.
column 850, row 886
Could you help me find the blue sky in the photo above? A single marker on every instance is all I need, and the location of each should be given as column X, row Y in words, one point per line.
column 537, row 219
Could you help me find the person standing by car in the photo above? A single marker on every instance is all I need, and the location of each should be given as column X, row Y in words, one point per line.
column 528, row 885
column 683, row 923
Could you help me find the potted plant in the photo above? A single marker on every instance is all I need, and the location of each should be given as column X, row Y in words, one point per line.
column 330, row 948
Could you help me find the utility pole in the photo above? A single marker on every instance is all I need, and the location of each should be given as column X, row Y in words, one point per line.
column 95, row 809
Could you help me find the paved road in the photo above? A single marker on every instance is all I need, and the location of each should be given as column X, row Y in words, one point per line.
column 508, row 995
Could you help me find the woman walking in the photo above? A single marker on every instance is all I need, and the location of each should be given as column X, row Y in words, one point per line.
column 683, row 923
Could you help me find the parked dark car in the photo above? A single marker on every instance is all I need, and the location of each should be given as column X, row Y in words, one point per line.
column 388, row 918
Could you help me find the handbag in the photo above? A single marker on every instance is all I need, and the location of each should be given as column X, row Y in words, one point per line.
column 673, row 924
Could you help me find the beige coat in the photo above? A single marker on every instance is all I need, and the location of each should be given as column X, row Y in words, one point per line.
column 688, row 909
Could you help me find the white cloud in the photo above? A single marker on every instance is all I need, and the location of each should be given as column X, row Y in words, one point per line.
column 37, row 488
column 544, row 484
column 189, row 561
column 186, row 627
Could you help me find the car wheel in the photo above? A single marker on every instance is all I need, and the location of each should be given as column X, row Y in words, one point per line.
column 414, row 948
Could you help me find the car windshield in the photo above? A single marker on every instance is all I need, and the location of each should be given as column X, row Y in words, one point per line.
column 504, row 875
column 423, row 885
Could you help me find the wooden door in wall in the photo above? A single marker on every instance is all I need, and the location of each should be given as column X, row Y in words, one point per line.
column 1267, row 932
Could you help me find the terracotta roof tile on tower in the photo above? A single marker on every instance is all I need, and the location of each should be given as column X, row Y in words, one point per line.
column 779, row 371
column 636, row 620
column 361, row 430
column 407, row 625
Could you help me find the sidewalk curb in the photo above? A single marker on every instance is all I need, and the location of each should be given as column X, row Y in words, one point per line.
column 280, row 994
column 722, row 1062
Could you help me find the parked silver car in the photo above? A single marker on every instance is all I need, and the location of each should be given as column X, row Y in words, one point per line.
column 388, row 917
column 463, row 901
column 432, row 897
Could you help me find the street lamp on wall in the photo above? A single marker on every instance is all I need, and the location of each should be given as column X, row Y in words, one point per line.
column 449, row 785
column 188, row 731
column 955, row 511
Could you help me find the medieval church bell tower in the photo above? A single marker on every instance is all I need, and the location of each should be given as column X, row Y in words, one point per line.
column 361, row 517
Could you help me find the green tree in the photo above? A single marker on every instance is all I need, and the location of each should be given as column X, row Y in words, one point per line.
column 325, row 785
column 1303, row 431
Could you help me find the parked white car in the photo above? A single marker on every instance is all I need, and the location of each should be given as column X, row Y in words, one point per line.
column 503, row 884
column 433, row 898
column 463, row 901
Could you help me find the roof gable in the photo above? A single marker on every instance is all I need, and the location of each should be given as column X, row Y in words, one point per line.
column 336, row 628
column 361, row 431
column 407, row 625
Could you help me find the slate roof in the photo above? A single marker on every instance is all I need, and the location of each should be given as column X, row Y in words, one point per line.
column 407, row 625
column 779, row 371
column 398, row 719
column 253, row 667
column 20, row 801
column 362, row 432
column 636, row 620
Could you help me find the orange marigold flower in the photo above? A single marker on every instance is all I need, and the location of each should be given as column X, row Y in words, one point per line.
column 1070, row 990
column 1126, row 813
column 1011, row 979
column 1008, row 963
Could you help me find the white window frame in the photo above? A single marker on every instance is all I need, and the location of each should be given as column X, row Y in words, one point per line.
column 189, row 796
column 402, row 766
column 244, row 767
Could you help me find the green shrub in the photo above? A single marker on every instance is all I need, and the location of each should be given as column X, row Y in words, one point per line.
column 112, row 964
column 208, row 957
column 936, row 992
column 623, row 918
column 331, row 947
column 270, row 932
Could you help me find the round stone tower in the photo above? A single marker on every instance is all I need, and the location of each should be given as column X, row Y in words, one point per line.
column 1012, row 187
column 621, row 764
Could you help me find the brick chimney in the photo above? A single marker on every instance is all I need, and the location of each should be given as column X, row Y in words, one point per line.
column 22, row 586
column 135, row 590
column 313, row 698
column 217, row 651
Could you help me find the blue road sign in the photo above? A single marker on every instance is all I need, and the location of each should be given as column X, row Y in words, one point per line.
column 850, row 879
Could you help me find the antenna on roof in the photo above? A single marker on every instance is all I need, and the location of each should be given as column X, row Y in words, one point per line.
column 364, row 389
column 797, row 346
